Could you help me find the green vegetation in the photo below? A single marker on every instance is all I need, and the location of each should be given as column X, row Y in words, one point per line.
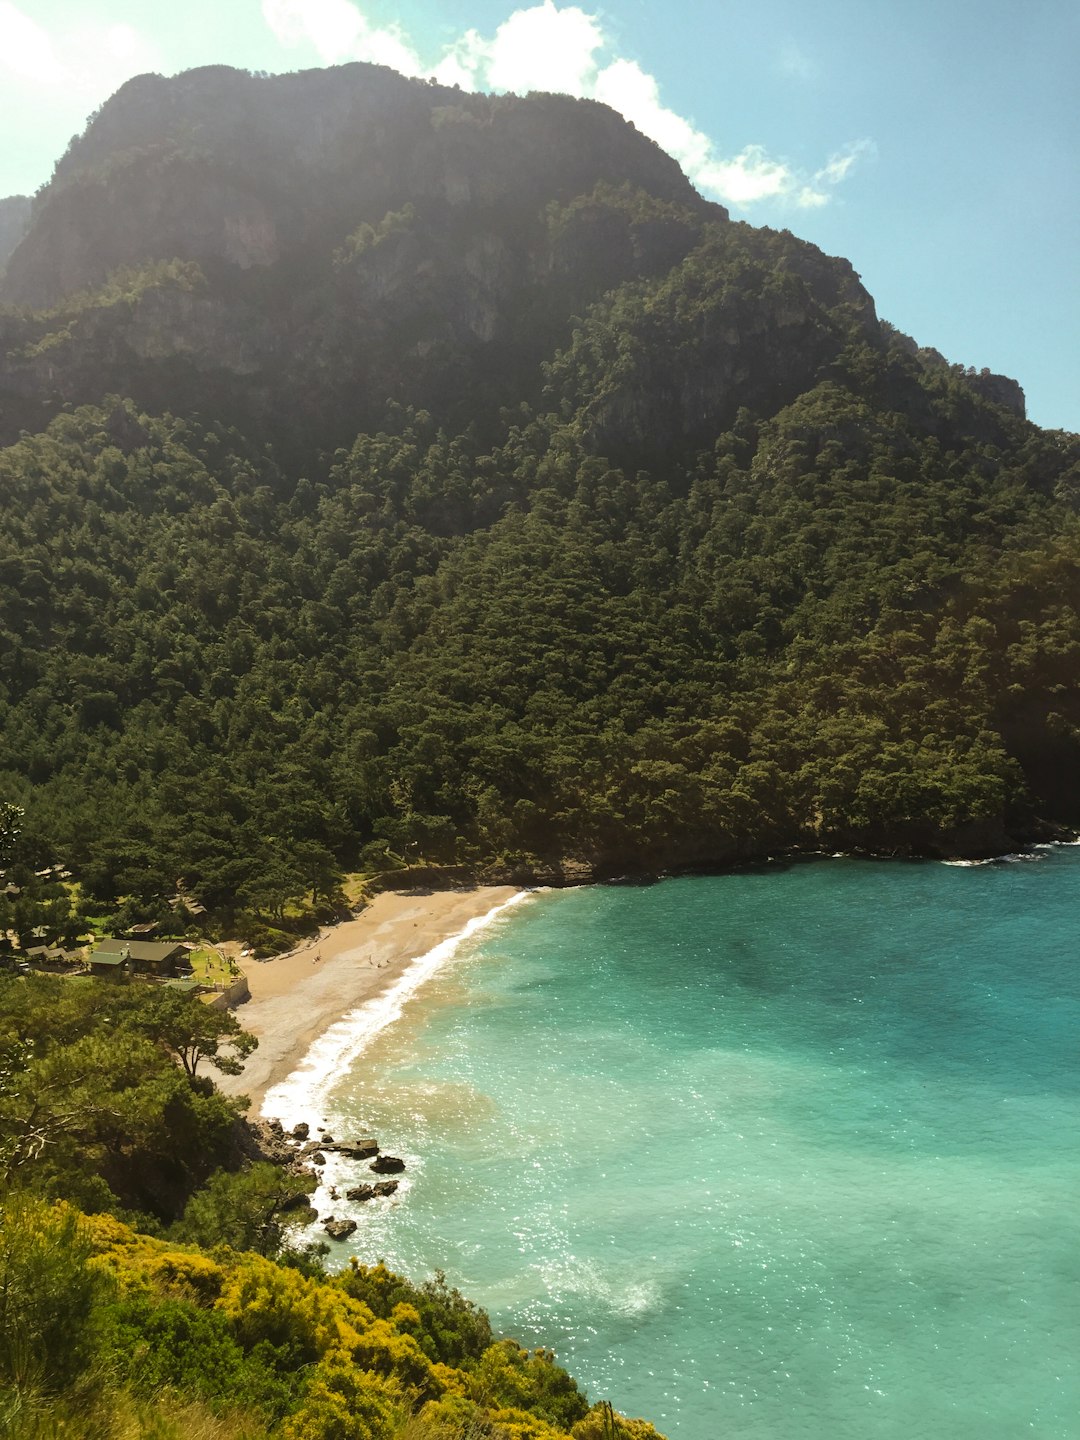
column 107, row 1332
column 210, row 967
column 654, row 548
column 102, row 1100
column 834, row 626
column 110, row 1333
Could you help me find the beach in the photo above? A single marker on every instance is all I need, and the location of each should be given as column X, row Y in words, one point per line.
column 296, row 998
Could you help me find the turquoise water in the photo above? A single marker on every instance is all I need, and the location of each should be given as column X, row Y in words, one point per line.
column 774, row 1154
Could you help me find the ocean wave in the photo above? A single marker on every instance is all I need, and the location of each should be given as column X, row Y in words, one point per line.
column 301, row 1095
column 1018, row 857
column 588, row 1280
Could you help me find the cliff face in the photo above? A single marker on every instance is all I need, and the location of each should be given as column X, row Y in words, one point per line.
column 290, row 253
column 14, row 223
column 1002, row 390
column 224, row 168
column 358, row 237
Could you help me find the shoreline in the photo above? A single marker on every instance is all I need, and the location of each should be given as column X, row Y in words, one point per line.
column 297, row 1000
column 299, row 997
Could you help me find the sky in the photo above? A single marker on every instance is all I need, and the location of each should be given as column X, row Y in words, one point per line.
column 935, row 143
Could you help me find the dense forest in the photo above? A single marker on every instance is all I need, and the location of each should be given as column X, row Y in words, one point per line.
column 686, row 558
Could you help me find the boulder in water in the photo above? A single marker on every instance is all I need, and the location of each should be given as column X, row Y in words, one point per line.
column 387, row 1165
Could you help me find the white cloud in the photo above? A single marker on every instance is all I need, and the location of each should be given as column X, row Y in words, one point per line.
column 388, row 46
column 26, row 50
column 338, row 31
column 745, row 179
column 548, row 47
column 78, row 67
column 751, row 176
column 464, row 61
column 634, row 93
column 839, row 166
column 331, row 26
column 122, row 43
column 545, row 48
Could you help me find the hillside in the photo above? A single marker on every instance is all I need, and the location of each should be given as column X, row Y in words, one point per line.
column 225, row 1323
column 418, row 476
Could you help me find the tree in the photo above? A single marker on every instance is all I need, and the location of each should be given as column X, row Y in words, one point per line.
column 194, row 1031
column 243, row 1209
column 11, row 818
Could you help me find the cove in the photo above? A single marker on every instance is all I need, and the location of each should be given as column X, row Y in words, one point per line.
column 785, row 1152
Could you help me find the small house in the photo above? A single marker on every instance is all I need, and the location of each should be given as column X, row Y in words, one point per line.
column 108, row 963
column 142, row 957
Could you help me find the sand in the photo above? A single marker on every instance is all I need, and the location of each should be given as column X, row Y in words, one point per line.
column 298, row 996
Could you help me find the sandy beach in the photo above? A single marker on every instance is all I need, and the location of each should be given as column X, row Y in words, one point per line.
column 298, row 996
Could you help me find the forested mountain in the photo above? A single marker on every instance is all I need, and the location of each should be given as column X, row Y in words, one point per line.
column 414, row 475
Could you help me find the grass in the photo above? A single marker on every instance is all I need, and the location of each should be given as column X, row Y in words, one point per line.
column 210, row 967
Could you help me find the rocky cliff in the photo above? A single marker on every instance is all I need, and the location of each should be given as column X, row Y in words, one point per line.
column 14, row 223
column 290, row 252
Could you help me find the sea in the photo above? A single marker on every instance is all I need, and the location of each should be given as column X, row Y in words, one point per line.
column 787, row 1152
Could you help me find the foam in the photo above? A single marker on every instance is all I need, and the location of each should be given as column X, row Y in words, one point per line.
column 301, row 1095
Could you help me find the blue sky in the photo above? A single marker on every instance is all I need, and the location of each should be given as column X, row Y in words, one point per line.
column 935, row 143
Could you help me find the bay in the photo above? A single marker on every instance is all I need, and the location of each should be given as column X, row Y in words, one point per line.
column 792, row 1151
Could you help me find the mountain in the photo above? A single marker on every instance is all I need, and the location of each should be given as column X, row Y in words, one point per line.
column 320, row 241
column 402, row 475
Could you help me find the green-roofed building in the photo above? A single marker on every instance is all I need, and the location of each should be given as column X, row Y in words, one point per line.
column 108, row 962
column 146, row 957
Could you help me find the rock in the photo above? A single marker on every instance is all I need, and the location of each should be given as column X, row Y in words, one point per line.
column 387, row 1165
column 361, row 1149
column 385, row 1187
column 361, row 1192
column 275, row 1127
column 301, row 1131
column 326, row 1139
column 1001, row 390
column 339, row 1229
column 318, row 1158
column 299, row 1201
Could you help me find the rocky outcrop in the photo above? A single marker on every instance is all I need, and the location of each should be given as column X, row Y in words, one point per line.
column 387, row 1165
column 362, row 1193
column 286, row 193
column 265, row 1142
column 339, row 1229
column 359, row 1149
column 1001, row 390
column 229, row 169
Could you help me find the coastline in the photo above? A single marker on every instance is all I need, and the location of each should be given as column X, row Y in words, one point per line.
column 297, row 998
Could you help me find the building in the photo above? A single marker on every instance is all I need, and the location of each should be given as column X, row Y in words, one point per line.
column 140, row 957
